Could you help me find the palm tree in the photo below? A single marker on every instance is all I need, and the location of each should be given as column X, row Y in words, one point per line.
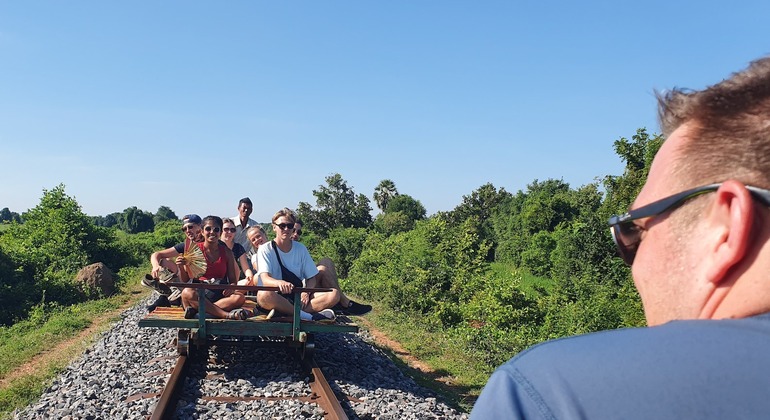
column 385, row 190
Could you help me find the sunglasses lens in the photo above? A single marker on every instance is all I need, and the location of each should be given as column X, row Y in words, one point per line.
column 214, row 229
column 627, row 237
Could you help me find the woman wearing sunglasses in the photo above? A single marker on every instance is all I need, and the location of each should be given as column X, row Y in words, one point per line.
column 220, row 269
column 285, row 264
column 242, row 262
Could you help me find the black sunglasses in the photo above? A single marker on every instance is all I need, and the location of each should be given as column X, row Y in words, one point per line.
column 298, row 232
column 231, row 230
column 211, row 228
column 627, row 235
column 284, row 226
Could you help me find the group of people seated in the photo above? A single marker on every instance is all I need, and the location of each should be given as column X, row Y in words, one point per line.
column 237, row 251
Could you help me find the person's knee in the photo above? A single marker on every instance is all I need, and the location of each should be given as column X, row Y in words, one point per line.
column 189, row 294
column 264, row 297
column 325, row 263
column 239, row 299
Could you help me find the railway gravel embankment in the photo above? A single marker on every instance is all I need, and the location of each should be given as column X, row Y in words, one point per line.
column 117, row 377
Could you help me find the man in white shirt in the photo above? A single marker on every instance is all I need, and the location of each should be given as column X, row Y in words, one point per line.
column 243, row 222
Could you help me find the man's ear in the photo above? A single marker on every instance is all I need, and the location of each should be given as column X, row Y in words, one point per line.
column 731, row 217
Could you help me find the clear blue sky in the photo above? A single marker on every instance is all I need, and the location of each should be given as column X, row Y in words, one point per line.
column 193, row 104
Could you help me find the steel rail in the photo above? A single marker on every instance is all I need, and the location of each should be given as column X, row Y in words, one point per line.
column 168, row 398
column 326, row 398
column 321, row 393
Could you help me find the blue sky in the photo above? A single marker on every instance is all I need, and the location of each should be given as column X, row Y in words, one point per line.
column 193, row 104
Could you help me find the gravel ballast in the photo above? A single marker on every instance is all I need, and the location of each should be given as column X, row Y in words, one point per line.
column 115, row 378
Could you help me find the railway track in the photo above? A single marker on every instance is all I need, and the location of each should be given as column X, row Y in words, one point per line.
column 180, row 398
column 124, row 374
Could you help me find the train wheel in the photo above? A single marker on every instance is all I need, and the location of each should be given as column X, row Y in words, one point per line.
column 308, row 348
column 183, row 342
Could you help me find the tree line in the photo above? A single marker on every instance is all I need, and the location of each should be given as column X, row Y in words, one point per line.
column 497, row 273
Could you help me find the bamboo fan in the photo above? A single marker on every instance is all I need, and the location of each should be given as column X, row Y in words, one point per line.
column 196, row 261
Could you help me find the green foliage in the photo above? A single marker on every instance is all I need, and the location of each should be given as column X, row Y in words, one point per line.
column 138, row 247
column 426, row 271
column 482, row 204
column 6, row 215
column 342, row 246
column 383, row 193
column 406, row 205
column 39, row 258
column 392, row 223
column 164, row 213
column 337, row 205
column 537, row 256
column 134, row 220
column 637, row 154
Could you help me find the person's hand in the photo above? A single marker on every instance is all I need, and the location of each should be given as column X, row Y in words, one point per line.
column 156, row 271
column 180, row 260
column 305, row 299
column 285, row 287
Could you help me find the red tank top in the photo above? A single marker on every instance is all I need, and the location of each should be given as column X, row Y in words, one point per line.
column 214, row 269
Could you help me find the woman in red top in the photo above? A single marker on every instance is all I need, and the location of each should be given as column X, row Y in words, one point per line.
column 220, row 269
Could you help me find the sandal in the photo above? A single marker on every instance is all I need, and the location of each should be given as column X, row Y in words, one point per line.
column 238, row 314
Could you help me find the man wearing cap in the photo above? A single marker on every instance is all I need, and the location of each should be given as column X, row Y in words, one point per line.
column 243, row 222
column 164, row 268
column 697, row 239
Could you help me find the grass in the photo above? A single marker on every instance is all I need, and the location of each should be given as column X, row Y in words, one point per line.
column 528, row 283
column 455, row 375
column 34, row 351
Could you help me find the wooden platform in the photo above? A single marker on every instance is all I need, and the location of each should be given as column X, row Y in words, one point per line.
column 173, row 317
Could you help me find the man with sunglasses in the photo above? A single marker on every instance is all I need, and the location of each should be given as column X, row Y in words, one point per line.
column 164, row 268
column 286, row 264
column 697, row 239
column 327, row 277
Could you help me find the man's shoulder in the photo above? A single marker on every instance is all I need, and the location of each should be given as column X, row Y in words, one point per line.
column 298, row 246
column 630, row 373
column 659, row 346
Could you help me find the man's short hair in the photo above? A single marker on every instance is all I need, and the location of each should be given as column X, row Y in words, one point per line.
column 245, row 200
column 729, row 126
column 285, row 212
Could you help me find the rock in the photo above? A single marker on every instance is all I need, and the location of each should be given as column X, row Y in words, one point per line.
column 97, row 276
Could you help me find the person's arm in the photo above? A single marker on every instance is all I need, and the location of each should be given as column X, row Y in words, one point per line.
column 157, row 257
column 181, row 263
column 231, row 270
column 244, row 265
column 264, row 263
column 305, row 297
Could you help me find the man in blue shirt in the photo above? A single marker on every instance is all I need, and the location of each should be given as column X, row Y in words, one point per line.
column 697, row 240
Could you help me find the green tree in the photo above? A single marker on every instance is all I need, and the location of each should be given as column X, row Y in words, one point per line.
column 337, row 205
column 407, row 205
column 6, row 215
column 637, row 154
column 134, row 220
column 392, row 223
column 383, row 193
column 56, row 240
column 164, row 213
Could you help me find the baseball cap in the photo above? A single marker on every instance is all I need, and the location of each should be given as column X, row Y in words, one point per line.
column 192, row 218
